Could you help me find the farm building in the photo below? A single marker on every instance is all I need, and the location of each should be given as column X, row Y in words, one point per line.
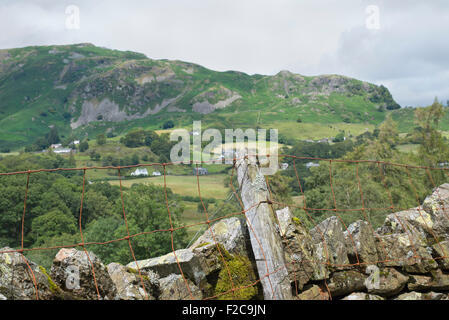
column 200, row 171
column 62, row 150
column 312, row 165
column 140, row 172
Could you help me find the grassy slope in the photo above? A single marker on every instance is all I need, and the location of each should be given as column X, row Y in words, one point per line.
column 405, row 119
column 41, row 85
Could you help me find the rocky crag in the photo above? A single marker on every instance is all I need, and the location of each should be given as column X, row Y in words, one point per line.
column 84, row 89
column 266, row 254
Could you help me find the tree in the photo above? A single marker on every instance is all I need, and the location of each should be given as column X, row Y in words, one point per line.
column 433, row 149
column 144, row 214
column 135, row 159
column 67, row 116
column 72, row 161
column 168, row 124
column 150, row 136
column 101, row 139
column 84, row 146
column 53, row 136
column 388, row 132
column 95, row 156
column 162, row 146
column 51, row 224
column 340, row 137
column 134, row 139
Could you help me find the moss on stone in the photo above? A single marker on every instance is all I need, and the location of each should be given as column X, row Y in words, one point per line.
column 54, row 288
column 202, row 245
column 132, row 270
column 243, row 277
column 224, row 252
column 136, row 272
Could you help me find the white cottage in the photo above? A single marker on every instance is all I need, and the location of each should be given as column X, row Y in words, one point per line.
column 140, row 172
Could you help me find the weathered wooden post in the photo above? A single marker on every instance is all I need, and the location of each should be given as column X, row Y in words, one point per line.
column 262, row 225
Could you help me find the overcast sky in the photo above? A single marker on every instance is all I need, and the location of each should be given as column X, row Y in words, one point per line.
column 406, row 48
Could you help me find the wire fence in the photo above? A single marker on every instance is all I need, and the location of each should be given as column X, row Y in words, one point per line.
column 211, row 218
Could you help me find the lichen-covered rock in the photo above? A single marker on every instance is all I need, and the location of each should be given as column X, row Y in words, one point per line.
column 362, row 296
column 174, row 287
column 437, row 205
column 361, row 236
column 168, row 264
column 227, row 249
column 129, row 282
column 313, row 293
column 421, row 296
column 386, row 282
column 415, row 220
column 208, row 260
column 195, row 264
column 231, row 233
column 441, row 250
column 438, row 282
column 344, row 282
column 330, row 242
column 301, row 262
column 16, row 279
column 406, row 250
column 72, row 271
column 2, row 297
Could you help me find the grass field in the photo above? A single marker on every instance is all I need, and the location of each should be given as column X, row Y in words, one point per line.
column 9, row 154
column 407, row 148
column 194, row 218
column 315, row 131
column 211, row 186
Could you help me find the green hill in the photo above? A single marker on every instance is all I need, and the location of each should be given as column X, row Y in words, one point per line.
column 83, row 89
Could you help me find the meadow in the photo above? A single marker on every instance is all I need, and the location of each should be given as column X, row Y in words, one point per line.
column 211, row 186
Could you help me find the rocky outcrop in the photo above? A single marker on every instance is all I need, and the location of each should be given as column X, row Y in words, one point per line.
column 176, row 288
column 107, row 110
column 21, row 279
column 173, row 263
column 131, row 285
column 213, row 99
column 328, row 238
column 361, row 243
column 344, row 282
column 82, row 273
column 302, row 261
column 231, row 233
